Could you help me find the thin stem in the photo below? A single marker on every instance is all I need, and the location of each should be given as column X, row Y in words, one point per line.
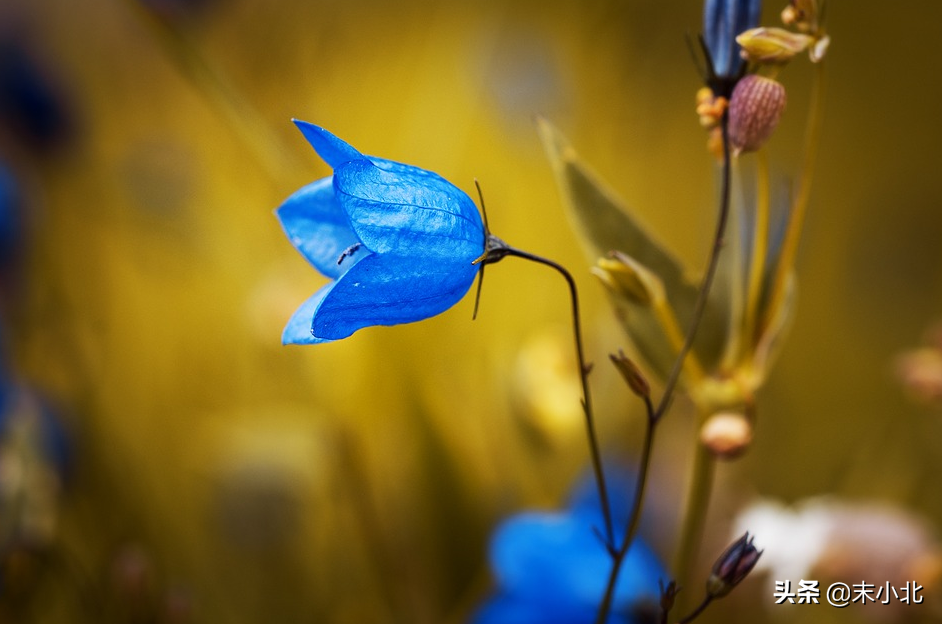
column 618, row 559
column 696, row 612
column 654, row 415
column 584, row 375
column 786, row 260
column 760, row 240
column 703, row 295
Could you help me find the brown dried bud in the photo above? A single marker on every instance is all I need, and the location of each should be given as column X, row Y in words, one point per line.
column 732, row 567
column 726, row 435
column 754, row 111
column 632, row 374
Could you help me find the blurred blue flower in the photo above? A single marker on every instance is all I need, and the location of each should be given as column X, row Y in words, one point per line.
column 723, row 20
column 398, row 242
column 552, row 568
column 33, row 105
column 10, row 218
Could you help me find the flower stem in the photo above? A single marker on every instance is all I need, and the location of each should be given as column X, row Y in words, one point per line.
column 698, row 501
column 584, row 369
column 701, row 485
column 707, row 283
column 799, row 206
column 618, row 558
column 654, row 415
column 696, row 612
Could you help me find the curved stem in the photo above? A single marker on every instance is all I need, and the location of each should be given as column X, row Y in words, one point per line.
column 584, row 375
column 696, row 612
column 707, row 283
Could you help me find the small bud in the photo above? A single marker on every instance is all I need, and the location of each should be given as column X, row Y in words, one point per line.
column 632, row 374
column 732, row 567
column 668, row 595
column 726, row 434
column 628, row 278
column 802, row 14
column 754, row 111
column 772, row 45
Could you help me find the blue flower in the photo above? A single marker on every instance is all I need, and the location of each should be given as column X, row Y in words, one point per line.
column 723, row 20
column 399, row 242
column 552, row 568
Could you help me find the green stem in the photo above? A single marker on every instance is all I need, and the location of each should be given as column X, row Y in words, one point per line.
column 698, row 501
column 786, row 259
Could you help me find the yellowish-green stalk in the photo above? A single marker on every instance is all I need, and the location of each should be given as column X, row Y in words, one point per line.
column 760, row 245
column 691, row 533
column 786, row 259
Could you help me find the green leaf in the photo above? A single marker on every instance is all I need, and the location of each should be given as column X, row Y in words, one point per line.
column 604, row 224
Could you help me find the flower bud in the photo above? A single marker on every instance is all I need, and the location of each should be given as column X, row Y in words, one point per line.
column 772, row 45
column 754, row 111
column 632, row 375
column 628, row 278
column 732, row 567
column 726, row 434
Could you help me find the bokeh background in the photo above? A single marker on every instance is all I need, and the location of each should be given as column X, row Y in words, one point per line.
column 217, row 476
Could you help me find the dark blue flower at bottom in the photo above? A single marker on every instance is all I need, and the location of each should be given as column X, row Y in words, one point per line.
column 552, row 568
column 398, row 241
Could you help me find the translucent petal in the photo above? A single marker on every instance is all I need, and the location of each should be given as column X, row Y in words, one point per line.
column 319, row 228
column 722, row 21
column 391, row 289
column 409, row 211
column 298, row 329
column 334, row 151
column 558, row 554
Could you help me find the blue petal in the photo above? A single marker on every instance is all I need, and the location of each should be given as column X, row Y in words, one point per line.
column 390, row 289
column 541, row 555
column 723, row 21
column 334, row 151
column 508, row 609
column 298, row 330
column 319, row 228
column 409, row 211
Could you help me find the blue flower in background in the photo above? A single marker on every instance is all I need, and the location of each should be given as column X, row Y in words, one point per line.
column 552, row 568
column 723, row 20
column 398, row 242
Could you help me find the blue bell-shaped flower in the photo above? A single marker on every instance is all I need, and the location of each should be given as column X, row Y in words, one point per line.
column 399, row 242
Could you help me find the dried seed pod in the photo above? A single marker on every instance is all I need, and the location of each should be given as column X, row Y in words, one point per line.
column 755, row 108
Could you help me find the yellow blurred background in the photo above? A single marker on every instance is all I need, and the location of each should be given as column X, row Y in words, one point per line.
column 222, row 477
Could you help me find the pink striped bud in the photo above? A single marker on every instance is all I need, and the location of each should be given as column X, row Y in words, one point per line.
column 755, row 108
